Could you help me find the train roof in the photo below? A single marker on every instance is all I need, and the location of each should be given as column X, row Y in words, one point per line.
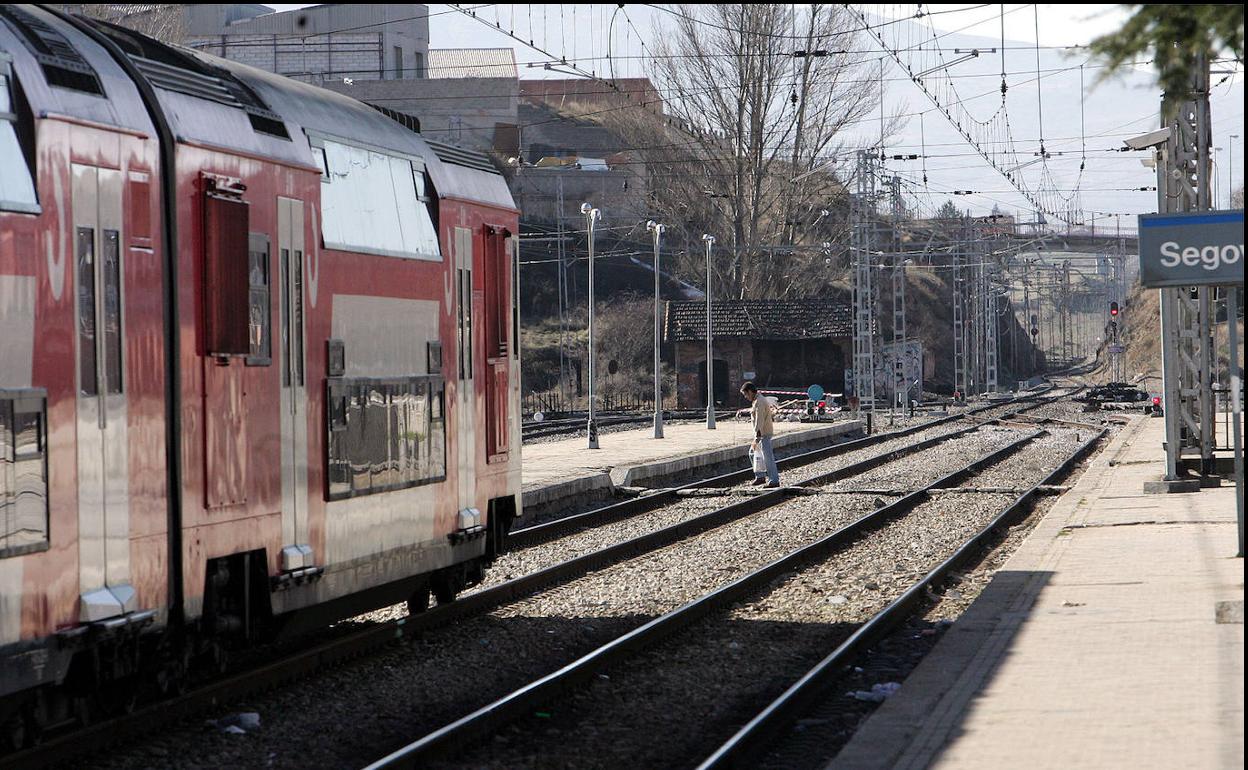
column 456, row 172
column 218, row 102
column 62, row 71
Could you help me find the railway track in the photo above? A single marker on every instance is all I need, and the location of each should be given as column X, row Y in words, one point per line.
column 549, row 530
column 276, row 674
column 555, row 694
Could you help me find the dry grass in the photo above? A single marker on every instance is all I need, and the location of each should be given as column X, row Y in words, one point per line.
column 1144, row 336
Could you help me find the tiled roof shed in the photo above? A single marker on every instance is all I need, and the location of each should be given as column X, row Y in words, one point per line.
column 446, row 63
column 760, row 319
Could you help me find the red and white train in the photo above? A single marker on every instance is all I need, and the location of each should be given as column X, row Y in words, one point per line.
column 258, row 361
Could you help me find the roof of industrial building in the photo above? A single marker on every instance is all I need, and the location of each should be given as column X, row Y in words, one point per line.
column 761, row 319
column 472, row 63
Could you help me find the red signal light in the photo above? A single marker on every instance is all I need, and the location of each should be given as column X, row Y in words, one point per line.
column 822, row 404
column 1156, row 400
column 1113, row 308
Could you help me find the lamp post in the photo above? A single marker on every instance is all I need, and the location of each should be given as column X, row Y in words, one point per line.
column 591, row 216
column 710, row 359
column 1230, row 173
column 657, row 229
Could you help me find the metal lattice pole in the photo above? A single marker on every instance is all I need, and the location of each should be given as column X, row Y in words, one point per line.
column 959, row 319
column 901, row 390
column 1186, row 322
column 864, row 296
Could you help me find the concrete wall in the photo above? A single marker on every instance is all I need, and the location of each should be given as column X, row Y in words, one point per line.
column 560, row 92
column 463, row 111
column 320, row 43
column 788, row 364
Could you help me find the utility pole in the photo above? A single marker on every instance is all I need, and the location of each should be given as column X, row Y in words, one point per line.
column 1186, row 314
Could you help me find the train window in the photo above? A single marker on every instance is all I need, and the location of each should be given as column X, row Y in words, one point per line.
column 23, row 472
column 384, row 434
column 227, row 287
column 17, row 188
column 259, row 305
column 497, row 298
column 88, row 383
column 375, row 203
column 111, row 273
column 465, row 323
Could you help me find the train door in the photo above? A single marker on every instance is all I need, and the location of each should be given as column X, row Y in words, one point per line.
column 296, row 552
column 103, row 473
column 497, row 332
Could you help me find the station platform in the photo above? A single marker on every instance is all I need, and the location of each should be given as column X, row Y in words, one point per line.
column 1113, row 637
column 561, row 474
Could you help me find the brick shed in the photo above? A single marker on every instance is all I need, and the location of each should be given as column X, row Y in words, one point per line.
column 792, row 343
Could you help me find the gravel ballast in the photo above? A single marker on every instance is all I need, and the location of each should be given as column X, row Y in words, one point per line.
column 359, row 711
column 674, row 704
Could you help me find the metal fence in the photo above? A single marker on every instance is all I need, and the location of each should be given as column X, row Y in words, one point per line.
column 552, row 404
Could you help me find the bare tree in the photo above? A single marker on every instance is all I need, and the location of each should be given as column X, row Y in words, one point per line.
column 758, row 99
column 165, row 22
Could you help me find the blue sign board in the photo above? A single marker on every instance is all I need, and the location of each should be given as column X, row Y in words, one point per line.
column 1199, row 248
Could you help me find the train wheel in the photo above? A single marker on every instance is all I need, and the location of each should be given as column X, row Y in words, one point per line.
column 120, row 699
column 85, row 709
column 445, row 586
column 15, row 731
column 418, row 602
column 172, row 677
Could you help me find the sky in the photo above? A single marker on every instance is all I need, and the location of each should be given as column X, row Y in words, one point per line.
column 1092, row 119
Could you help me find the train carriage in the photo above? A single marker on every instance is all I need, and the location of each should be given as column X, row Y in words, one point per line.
column 258, row 367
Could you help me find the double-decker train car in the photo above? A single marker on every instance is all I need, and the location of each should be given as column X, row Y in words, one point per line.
column 258, row 362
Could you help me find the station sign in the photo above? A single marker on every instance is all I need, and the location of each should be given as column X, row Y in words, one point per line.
column 1199, row 248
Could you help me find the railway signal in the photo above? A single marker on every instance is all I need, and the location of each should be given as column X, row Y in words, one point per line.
column 1113, row 309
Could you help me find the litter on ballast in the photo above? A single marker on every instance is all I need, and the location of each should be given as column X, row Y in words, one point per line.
column 239, row 723
column 878, row 692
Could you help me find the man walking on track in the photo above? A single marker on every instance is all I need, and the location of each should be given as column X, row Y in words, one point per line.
column 760, row 416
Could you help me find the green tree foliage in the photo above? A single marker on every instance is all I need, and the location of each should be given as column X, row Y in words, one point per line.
column 1174, row 35
column 948, row 210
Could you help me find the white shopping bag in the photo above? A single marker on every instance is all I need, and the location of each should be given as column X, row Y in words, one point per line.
column 760, row 463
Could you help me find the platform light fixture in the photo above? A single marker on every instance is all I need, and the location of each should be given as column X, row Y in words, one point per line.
column 592, row 215
column 656, row 230
column 710, row 358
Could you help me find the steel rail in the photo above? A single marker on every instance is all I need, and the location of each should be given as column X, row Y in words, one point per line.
column 550, row 530
column 478, row 725
column 65, row 747
column 537, row 534
column 755, row 737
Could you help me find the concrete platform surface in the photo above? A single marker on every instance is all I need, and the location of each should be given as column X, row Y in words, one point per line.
column 1113, row 638
column 558, row 469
